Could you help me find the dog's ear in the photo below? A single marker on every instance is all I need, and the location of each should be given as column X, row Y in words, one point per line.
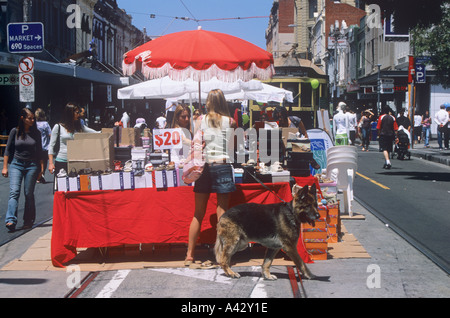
column 301, row 194
column 313, row 189
column 295, row 189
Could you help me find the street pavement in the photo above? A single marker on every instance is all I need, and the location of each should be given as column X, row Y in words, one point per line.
column 395, row 268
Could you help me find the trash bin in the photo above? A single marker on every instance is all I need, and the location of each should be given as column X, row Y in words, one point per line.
column 374, row 131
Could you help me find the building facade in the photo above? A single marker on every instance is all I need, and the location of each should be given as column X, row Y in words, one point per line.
column 84, row 41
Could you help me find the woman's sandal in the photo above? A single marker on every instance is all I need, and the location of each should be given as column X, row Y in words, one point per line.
column 204, row 265
column 10, row 226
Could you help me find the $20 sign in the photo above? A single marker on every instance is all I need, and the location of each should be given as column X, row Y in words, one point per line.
column 167, row 138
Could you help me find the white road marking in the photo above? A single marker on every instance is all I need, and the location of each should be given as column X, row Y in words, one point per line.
column 113, row 284
column 260, row 289
column 212, row 275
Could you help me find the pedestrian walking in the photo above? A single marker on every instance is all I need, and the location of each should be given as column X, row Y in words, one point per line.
column 426, row 128
column 161, row 122
column 61, row 132
column 217, row 176
column 46, row 131
column 447, row 128
column 365, row 124
column 387, row 130
column 24, row 151
column 402, row 120
column 340, row 126
column 441, row 119
column 417, row 127
column 352, row 124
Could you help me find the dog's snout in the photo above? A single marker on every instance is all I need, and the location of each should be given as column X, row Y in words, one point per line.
column 317, row 216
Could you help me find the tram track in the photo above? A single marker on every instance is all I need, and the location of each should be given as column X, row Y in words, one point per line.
column 436, row 259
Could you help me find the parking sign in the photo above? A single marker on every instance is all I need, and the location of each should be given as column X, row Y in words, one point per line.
column 420, row 73
column 25, row 37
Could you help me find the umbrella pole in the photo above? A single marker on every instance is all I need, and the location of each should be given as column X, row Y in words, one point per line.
column 199, row 96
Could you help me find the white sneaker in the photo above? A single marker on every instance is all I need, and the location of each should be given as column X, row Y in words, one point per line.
column 62, row 173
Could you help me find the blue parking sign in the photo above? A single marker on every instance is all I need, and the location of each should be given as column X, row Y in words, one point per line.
column 420, row 73
column 25, row 37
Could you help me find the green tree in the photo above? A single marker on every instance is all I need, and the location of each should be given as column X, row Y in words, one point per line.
column 434, row 41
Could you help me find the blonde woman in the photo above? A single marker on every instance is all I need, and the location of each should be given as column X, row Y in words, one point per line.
column 217, row 176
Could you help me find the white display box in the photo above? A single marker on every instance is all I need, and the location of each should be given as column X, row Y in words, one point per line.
column 148, row 176
column 160, row 179
column 63, row 184
column 282, row 176
column 126, row 180
column 140, row 181
column 115, row 180
column 107, row 181
column 172, row 178
column 139, row 154
column 96, row 183
column 74, row 184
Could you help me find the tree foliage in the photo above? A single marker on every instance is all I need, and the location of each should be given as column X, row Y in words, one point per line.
column 434, row 41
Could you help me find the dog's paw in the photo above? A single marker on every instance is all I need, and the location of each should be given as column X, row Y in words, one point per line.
column 269, row 277
column 232, row 274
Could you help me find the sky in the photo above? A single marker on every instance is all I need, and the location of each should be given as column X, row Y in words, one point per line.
column 165, row 11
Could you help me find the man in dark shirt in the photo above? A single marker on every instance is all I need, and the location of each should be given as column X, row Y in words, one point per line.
column 404, row 121
column 387, row 129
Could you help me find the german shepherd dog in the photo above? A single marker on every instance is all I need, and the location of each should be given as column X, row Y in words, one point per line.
column 275, row 226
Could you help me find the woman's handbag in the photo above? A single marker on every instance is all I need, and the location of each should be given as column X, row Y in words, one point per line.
column 195, row 161
column 57, row 144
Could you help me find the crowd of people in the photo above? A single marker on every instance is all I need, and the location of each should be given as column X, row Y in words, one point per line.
column 346, row 127
column 33, row 145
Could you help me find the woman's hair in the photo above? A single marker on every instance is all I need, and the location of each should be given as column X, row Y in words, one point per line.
column 178, row 111
column 68, row 122
column 216, row 106
column 34, row 132
column 40, row 114
column 280, row 114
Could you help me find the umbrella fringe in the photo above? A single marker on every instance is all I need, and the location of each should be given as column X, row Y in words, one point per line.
column 202, row 75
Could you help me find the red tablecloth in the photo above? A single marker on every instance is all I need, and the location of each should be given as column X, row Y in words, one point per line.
column 111, row 218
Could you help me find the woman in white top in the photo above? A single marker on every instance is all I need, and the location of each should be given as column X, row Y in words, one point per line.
column 217, row 176
column 65, row 130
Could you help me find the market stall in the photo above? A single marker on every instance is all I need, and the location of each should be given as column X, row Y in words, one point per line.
column 150, row 215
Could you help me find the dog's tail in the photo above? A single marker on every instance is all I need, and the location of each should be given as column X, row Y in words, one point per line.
column 218, row 247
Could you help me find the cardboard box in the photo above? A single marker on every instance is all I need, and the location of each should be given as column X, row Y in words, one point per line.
column 125, row 137
column 90, row 150
column 85, row 182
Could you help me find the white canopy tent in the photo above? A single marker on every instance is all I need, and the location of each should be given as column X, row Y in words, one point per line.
column 166, row 88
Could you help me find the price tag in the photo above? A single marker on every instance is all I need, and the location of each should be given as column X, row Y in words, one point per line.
column 167, row 138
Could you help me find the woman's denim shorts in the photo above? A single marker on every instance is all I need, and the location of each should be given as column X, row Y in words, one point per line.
column 216, row 178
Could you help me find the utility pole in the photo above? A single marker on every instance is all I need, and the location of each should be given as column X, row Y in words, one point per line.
column 379, row 90
column 26, row 10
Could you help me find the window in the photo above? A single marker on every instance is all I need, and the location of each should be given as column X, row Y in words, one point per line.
column 312, row 8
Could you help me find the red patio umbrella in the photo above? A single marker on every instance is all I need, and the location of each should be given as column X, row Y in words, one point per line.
column 200, row 55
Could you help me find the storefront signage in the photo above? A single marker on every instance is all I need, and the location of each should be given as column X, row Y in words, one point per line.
column 167, row 138
column 9, row 79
